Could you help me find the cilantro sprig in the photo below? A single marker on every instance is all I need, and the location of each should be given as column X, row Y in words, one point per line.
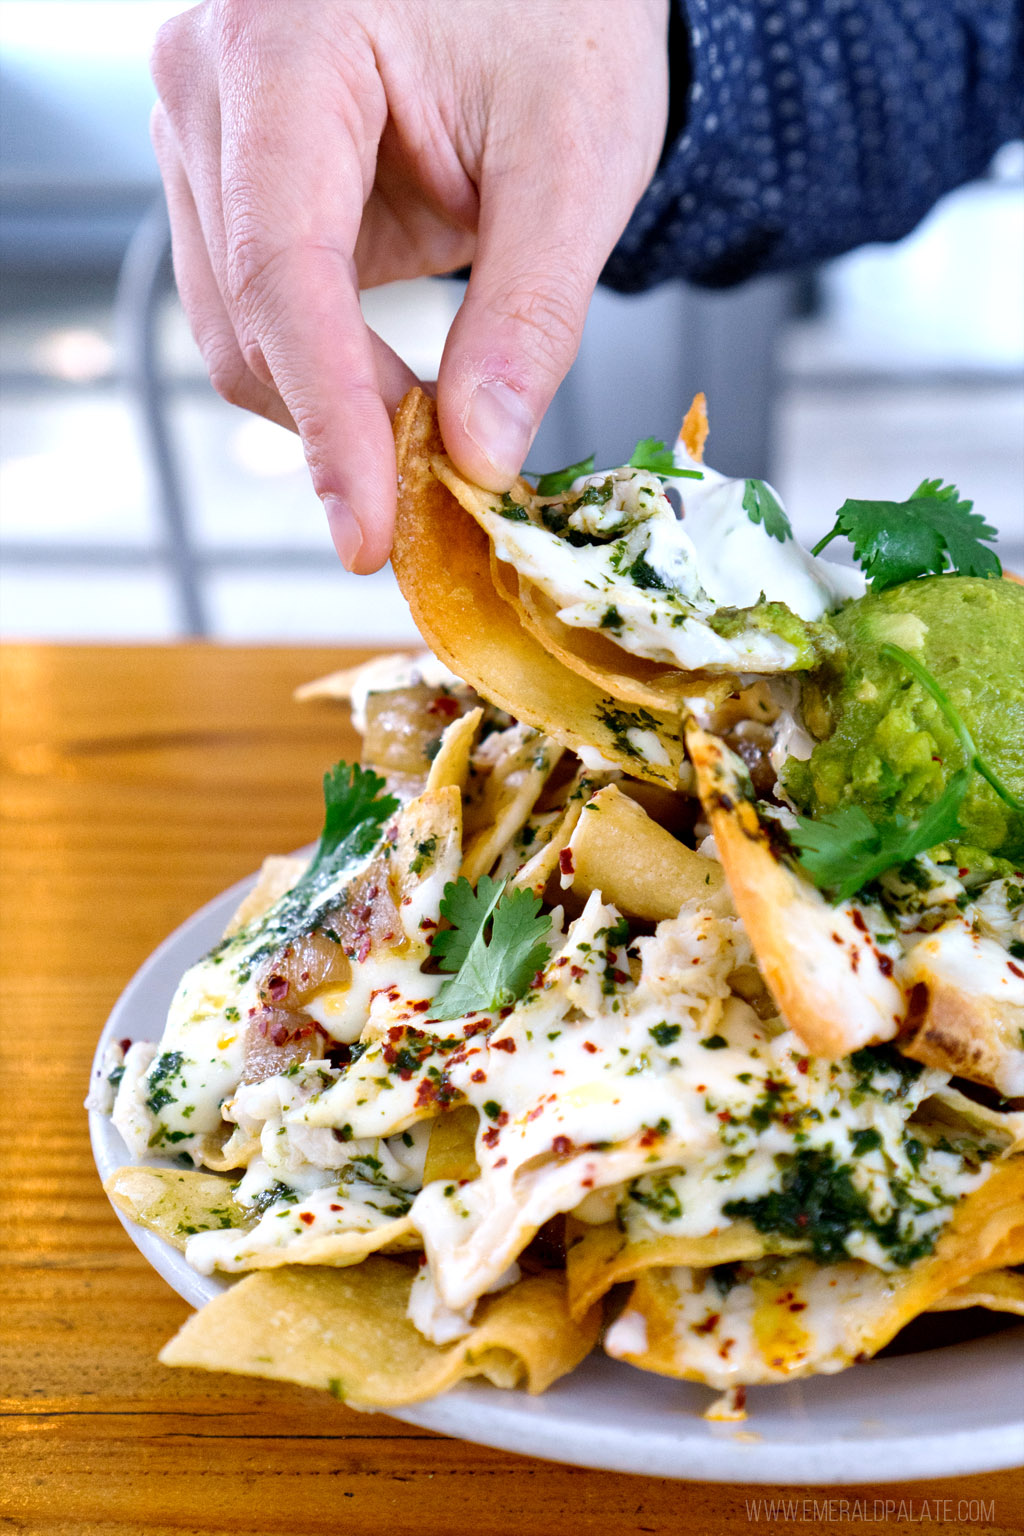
column 932, row 533
column 559, row 480
column 762, row 506
column 495, row 946
column 650, row 453
column 354, row 814
column 845, row 850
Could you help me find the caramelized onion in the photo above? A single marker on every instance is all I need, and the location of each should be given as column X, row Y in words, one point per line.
column 275, row 1038
column 304, row 967
column 403, row 724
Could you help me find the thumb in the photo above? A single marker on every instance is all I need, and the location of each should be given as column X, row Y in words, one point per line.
column 539, row 254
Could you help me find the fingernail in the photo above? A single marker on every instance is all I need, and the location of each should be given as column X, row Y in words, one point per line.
column 345, row 531
column 499, row 423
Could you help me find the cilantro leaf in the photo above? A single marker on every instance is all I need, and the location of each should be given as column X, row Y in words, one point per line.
column 561, row 479
column 931, row 533
column 355, row 812
column 651, row 454
column 762, row 506
column 495, row 971
column 845, row 850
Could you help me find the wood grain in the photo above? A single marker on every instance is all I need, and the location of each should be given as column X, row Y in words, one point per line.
column 137, row 783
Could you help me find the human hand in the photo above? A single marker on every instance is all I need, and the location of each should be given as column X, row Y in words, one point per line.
column 310, row 148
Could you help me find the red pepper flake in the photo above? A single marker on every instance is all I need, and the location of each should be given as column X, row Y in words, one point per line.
column 724, row 1115
column 501, row 1162
column 709, row 1324
column 479, row 1076
column 803, row 1064
column 588, row 1045
column 565, row 862
column 962, row 872
column 884, row 964
column 276, row 988
column 561, row 1146
column 490, row 1138
column 504, row 1045
column 336, row 1207
column 797, row 1306
column 125, row 1044
column 445, row 705
column 620, row 976
column 307, row 1218
column 1015, row 969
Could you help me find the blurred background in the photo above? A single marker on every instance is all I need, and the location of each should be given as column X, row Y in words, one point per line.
column 136, row 505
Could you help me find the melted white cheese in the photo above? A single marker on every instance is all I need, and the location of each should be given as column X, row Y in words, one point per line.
column 716, row 557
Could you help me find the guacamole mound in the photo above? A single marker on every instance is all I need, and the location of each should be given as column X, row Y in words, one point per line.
column 887, row 745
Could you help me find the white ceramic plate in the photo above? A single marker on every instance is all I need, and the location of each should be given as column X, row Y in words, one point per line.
column 936, row 1414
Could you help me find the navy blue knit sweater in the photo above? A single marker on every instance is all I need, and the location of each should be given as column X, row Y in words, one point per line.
column 801, row 128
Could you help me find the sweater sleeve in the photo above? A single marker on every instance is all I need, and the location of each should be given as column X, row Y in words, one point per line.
column 803, row 128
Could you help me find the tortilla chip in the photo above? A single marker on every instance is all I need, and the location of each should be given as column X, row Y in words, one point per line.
column 442, row 562
column 451, row 1151
column 451, row 765
column 640, row 868
column 278, row 874
column 860, row 1308
column 947, row 1106
column 432, row 821
column 346, row 1331
column 1000, row 1290
column 175, row 1203
column 694, row 430
column 975, row 1031
column 339, row 685
column 832, row 985
column 599, row 1257
column 509, row 796
column 538, row 870
column 587, row 652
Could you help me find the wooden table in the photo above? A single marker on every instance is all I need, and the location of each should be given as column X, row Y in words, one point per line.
column 139, row 782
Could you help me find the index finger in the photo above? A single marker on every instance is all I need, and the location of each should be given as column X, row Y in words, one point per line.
column 293, row 186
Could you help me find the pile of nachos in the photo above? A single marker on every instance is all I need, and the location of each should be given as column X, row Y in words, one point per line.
column 640, row 994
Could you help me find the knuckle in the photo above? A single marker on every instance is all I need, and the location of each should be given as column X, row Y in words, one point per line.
column 168, row 62
column 251, row 261
column 551, row 316
column 255, row 361
column 228, row 373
